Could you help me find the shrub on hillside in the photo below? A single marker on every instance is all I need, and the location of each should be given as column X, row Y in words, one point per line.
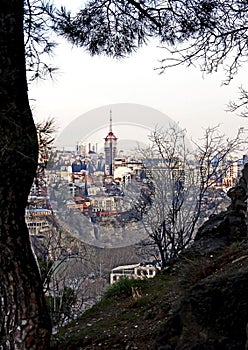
column 125, row 287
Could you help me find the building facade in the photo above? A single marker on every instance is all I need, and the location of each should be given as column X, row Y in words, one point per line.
column 136, row 271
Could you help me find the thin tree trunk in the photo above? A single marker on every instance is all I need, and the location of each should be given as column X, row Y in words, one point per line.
column 24, row 321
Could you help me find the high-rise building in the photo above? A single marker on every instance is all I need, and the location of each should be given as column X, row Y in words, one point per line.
column 110, row 149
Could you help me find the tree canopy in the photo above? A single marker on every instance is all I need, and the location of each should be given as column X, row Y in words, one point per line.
column 206, row 33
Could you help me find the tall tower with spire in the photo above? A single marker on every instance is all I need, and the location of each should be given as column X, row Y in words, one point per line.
column 110, row 149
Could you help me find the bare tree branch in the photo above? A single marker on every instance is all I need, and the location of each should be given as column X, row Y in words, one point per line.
column 181, row 179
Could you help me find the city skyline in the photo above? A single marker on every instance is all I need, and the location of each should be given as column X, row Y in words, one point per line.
column 132, row 122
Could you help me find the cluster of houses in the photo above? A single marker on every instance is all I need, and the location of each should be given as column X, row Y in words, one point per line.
column 95, row 185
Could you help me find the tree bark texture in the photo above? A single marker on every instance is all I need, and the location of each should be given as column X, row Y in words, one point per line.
column 24, row 321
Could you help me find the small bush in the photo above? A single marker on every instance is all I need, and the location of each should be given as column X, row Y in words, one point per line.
column 123, row 287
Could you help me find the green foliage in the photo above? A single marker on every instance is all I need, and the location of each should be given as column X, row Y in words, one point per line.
column 124, row 286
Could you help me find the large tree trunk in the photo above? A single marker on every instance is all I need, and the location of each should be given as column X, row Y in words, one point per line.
column 24, row 321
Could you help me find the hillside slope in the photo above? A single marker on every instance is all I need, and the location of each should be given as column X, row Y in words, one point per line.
column 200, row 302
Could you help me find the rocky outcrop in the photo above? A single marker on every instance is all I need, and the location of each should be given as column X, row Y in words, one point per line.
column 220, row 230
column 213, row 312
column 212, row 316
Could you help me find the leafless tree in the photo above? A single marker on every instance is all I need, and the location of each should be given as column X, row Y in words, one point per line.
column 181, row 179
column 71, row 286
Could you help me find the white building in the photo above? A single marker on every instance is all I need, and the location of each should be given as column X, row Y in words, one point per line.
column 136, row 271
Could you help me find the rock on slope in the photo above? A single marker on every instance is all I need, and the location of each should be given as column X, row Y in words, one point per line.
column 213, row 313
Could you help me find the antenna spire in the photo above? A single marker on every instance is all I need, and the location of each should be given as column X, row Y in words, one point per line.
column 110, row 122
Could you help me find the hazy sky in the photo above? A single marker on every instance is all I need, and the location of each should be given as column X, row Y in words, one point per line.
column 85, row 83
